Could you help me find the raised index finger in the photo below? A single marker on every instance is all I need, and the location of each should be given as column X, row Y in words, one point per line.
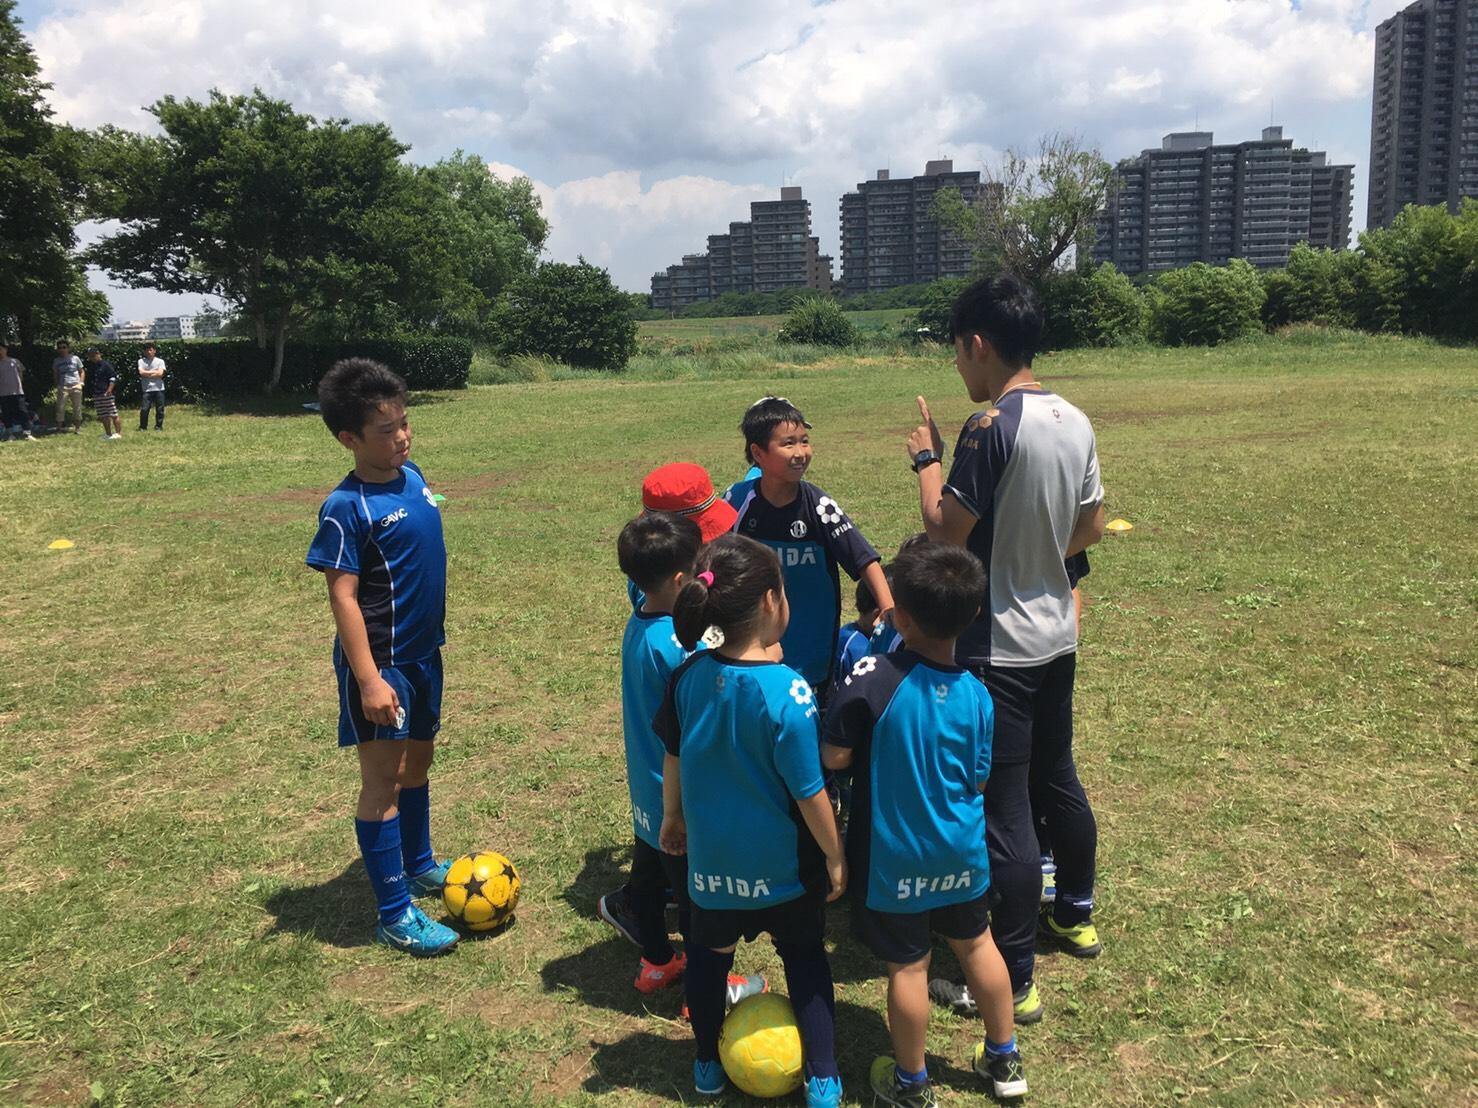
column 924, row 410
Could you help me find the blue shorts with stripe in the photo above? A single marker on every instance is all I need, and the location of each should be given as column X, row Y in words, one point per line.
column 418, row 687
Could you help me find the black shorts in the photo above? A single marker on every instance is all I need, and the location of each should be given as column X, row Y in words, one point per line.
column 904, row 938
column 799, row 922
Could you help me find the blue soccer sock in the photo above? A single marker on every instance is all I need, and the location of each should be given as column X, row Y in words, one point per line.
column 379, row 842
column 904, row 1077
column 1000, row 1048
column 415, row 829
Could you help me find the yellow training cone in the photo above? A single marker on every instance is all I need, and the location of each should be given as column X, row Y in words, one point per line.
column 1118, row 526
column 61, row 544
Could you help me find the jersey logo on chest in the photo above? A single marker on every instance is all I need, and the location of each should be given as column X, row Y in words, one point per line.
column 394, row 517
column 798, row 529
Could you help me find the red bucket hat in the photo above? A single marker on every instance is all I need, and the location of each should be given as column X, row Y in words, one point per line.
column 685, row 489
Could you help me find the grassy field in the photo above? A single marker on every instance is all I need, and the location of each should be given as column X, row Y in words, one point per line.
column 1277, row 708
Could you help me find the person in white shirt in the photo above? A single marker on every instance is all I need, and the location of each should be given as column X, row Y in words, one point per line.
column 15, row 417
column 151, row 376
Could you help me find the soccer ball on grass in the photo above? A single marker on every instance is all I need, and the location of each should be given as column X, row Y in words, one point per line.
column 760, row 1046
column 481, row 890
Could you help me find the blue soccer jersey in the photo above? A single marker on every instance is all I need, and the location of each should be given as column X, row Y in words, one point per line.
column 812, row 536
column 746, row 736
column 920, row 736
column 649, row 654
column 389, row 536
column 886, row 639
column 852, row 645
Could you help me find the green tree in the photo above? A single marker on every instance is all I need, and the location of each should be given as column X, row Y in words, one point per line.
column 1204, row 305
column 1031, row 210
column 572, row 313
column 43, row 176
column 1099, row 308
column 1423, row 272
column 244, row 199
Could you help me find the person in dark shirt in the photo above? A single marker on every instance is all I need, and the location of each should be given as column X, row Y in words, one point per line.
column 103, row 379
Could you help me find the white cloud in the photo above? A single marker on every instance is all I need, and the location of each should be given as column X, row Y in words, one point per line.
column 654, row 122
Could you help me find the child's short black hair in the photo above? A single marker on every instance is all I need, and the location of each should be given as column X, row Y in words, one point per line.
column 655, row 545
column 941, row 587
column 763, row 416
column 353, row 390
column 1003, row 310
column 866, row 602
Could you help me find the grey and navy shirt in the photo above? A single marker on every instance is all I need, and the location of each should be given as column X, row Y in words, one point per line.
column 1026, row 469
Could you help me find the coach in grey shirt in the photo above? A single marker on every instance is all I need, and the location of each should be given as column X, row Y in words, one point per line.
column 1022, row 494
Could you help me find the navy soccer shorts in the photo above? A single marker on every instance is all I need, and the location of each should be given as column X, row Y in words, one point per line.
column 416, row 684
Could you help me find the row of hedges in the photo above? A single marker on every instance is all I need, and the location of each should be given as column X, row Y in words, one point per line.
column 232, row 367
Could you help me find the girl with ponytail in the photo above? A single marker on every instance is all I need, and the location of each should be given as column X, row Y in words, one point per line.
column 743, row 798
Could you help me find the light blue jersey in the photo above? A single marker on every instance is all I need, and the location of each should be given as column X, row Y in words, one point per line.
column 649, row 653
column 746, row 737
column 920, row 734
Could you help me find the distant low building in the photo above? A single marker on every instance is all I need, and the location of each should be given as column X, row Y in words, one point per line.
column 1194, row 201
column 163, row 328
column 135, row 330
column 775, row 250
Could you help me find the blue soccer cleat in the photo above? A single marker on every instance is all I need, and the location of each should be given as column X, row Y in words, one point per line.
column 429, row 882
column 823, row 1092
column 416, row 933
column 709, row 1078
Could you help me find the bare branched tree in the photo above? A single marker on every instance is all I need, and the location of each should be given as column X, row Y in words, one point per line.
column 1030, row 211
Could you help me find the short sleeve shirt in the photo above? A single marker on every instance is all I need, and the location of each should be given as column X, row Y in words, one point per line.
column 812, row 536
column 650, row 652
column 920, row 736
column 152, row 384
column 10, row 377
column 68, row 371
column 389, row 536
column 101, row 375
column 745, row 735
column 1026, row 469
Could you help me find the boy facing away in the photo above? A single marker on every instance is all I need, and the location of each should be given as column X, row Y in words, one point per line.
column 807, row 530
column 916, row 729
column 380, row 548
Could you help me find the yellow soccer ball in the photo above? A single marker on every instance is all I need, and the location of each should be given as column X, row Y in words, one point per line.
column 481, row 890
column 760, row 1046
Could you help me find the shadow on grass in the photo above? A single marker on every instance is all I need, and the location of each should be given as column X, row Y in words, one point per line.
column 604, row 871
column 661, row 1066
column 340, row 912
column 601, row 977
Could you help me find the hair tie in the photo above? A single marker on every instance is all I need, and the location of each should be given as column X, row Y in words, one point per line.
column 707, row 578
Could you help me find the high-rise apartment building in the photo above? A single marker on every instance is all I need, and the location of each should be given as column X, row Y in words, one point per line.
column 1424, row 112
column 774, row 250
column 1194, row 201
column 889, row 237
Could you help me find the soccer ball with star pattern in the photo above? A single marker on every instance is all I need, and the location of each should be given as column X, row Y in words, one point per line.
column 481, row 890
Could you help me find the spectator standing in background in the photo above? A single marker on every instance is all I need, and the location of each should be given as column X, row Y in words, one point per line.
column 66, row 367
column 151, row 376
column 15, row 417
column 104, row 380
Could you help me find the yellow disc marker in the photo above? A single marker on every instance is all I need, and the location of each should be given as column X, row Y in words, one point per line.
column 61, row 544
column 1118, row 526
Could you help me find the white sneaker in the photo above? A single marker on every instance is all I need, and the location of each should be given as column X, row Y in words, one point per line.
column 114, row 435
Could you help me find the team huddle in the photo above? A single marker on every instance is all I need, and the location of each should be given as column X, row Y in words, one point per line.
column 918, row 762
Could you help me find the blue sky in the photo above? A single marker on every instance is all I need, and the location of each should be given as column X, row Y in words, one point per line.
column 648, row 124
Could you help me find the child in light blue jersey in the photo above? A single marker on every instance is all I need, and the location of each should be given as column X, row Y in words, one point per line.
column 854, row 638
column 379, row 546
column 916, row 730
column 656, row 552
column 743, row 799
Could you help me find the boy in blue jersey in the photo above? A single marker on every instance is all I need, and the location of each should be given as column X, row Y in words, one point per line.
column 916, row 730
column 380, row 548
column 656, row 551
column 854, row 637
column 807, row 530
column 743, row 799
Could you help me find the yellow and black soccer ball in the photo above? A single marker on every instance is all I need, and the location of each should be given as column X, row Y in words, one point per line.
column 760, row 1046
column 481, row 890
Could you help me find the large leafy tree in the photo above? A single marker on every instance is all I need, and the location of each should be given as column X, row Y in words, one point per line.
column 244, row 199
column 43, row 174
column 1032, row 208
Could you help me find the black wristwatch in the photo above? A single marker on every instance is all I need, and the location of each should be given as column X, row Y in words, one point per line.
column 925, row 458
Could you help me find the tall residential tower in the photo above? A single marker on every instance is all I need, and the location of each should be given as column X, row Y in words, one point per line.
column 889, row 237
column 1424, row 113
column 1194, row 201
